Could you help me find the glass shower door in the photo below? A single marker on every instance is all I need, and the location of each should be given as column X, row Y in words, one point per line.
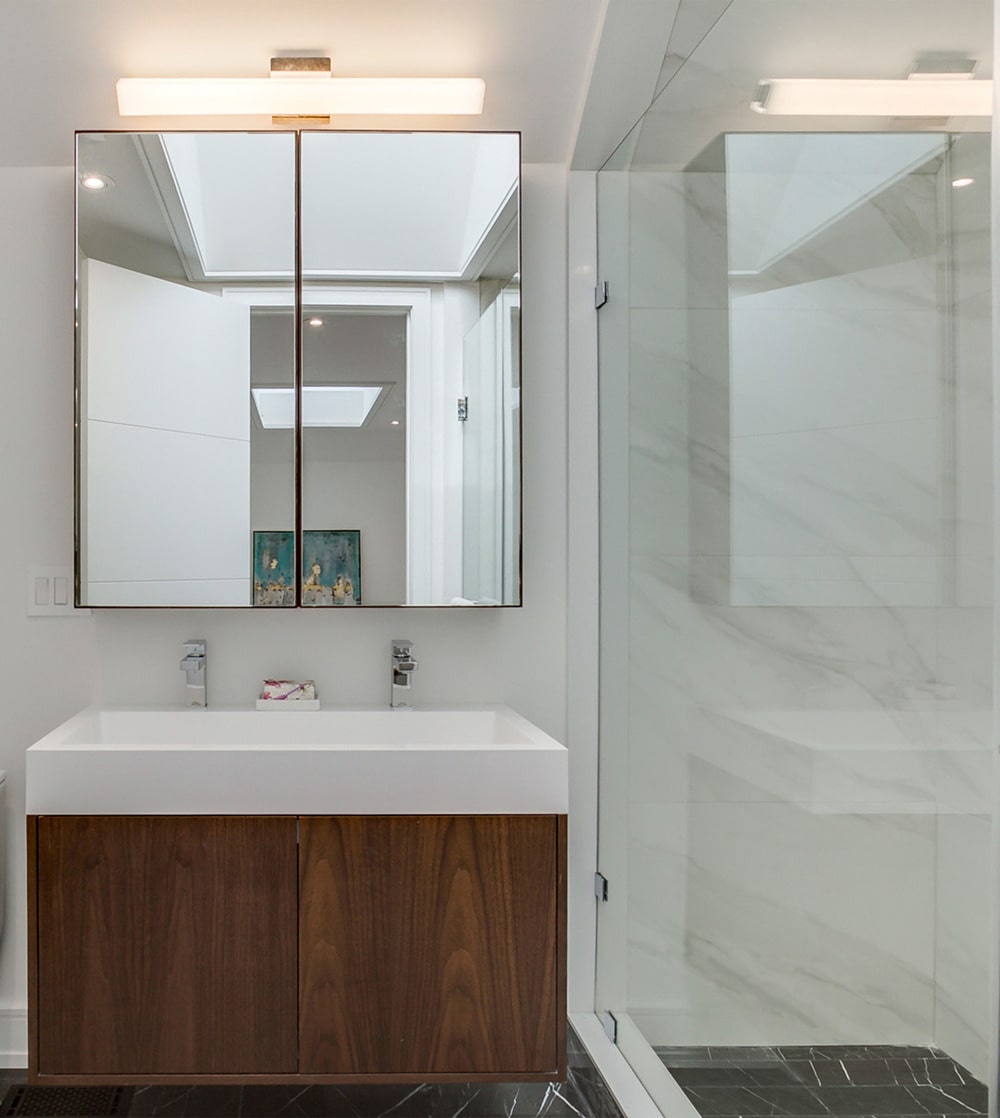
column 796, row 602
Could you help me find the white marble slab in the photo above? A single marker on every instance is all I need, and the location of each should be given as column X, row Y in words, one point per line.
column 340, row 761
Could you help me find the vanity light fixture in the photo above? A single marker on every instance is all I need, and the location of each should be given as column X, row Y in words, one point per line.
column 299, row 88
column 96, row 182
column 912, row 97
column 323, row 405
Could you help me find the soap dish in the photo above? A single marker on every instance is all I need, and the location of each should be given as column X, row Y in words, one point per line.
column 288, row 704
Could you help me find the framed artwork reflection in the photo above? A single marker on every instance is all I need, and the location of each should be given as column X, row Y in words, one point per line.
column 274, row 568
column 331, row 567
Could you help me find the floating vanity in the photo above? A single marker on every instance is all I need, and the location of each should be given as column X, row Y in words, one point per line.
column 339, row 896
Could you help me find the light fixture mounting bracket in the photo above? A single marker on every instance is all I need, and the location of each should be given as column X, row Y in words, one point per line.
column 285, row 69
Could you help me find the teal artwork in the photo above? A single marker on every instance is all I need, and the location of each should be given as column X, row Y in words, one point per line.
column 274, row 568
column 331, row 567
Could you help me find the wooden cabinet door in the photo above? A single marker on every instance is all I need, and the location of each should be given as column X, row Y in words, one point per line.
column 166, row 945
column 431, row 946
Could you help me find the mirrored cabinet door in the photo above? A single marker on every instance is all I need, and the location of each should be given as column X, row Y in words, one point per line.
column 350, row 372
column 411, row 484
column 185, row 473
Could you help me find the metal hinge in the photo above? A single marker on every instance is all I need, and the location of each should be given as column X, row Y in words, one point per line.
column 610, row 1025
column 600, row 887
column 463, row 408
column 601, row 294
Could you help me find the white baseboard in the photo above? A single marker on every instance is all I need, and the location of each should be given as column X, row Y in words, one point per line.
column 13, row 1038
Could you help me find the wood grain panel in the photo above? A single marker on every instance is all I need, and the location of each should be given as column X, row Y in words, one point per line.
column 31, row 851
column 429, row 945
column 166, row 944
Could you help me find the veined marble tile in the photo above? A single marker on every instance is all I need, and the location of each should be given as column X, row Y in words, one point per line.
column 795, row 910
column 781, row 658
column 849, row 491
column 827, row 592
column 802, row 370
column 657, row 869
column 862, row 268
column 964, row 946
column 965, row 656
column 677, row 240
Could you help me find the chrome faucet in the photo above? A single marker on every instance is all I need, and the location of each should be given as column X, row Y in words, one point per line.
column 403, row 667
column 193, row 665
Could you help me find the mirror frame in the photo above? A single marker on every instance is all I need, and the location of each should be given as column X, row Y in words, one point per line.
column 297, row 306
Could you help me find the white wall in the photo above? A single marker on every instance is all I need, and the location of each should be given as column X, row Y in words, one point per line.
column 52, row 667
column 49, row 665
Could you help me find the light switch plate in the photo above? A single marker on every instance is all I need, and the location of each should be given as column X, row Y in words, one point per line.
column 49, row 592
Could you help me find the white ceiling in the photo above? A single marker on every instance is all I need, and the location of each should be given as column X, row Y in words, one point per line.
column 61, row 58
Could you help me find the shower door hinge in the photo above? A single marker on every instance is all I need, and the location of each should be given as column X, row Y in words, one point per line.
column 601, row 294
column 600, row 887
column 463, row 408
column 609, row 1024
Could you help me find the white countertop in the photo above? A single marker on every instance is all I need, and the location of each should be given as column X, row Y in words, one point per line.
column 350, row 761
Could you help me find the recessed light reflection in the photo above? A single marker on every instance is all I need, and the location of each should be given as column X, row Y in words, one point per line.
column 315, row 322
column 96, row 182
column 962, row 182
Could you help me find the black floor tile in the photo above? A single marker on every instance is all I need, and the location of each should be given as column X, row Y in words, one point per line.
column 583, row 1095
column 759, row 1102
column 828, row 1081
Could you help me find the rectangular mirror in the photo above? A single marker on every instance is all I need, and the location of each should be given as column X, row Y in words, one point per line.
column 175, row 475
column 377, row 330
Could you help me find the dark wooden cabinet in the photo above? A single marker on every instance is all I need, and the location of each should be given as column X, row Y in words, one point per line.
column 166, row 945
column 429, row 946
column 271, row 949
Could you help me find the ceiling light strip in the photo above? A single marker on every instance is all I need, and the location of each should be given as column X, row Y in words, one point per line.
column 873, row 97
column 300, row 96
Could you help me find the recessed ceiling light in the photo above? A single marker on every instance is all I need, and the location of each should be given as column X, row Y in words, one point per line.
column 315, row 322
column 394, row 422
column 323, row 405
column 962, row 182
column 96, row 182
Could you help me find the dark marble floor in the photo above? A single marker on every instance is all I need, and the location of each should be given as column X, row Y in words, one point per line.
column 854, row 1081
column 583, row 1095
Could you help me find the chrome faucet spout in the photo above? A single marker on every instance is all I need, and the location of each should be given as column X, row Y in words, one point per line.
column 402, row 669
column 193, row 665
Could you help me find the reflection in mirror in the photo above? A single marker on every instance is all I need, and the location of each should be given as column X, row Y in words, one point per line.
column 430, row 250
column 175, row 470
column 186, row 351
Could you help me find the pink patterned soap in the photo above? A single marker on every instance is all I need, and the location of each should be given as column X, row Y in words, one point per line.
column 288, row 689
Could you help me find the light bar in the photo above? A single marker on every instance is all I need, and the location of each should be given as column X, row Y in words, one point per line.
column 300, row 96
column 323, row 405
column 873, row 97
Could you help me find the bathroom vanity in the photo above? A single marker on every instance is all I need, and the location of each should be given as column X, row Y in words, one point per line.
column 190, row 934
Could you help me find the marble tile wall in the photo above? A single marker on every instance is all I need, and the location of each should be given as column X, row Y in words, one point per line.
column 810, row 617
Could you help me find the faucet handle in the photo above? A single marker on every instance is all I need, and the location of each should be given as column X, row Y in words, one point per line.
column 401, row 649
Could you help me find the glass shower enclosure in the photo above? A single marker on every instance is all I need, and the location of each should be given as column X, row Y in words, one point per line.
column 797, row 692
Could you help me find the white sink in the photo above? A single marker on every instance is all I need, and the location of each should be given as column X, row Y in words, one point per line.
column 132, row 761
